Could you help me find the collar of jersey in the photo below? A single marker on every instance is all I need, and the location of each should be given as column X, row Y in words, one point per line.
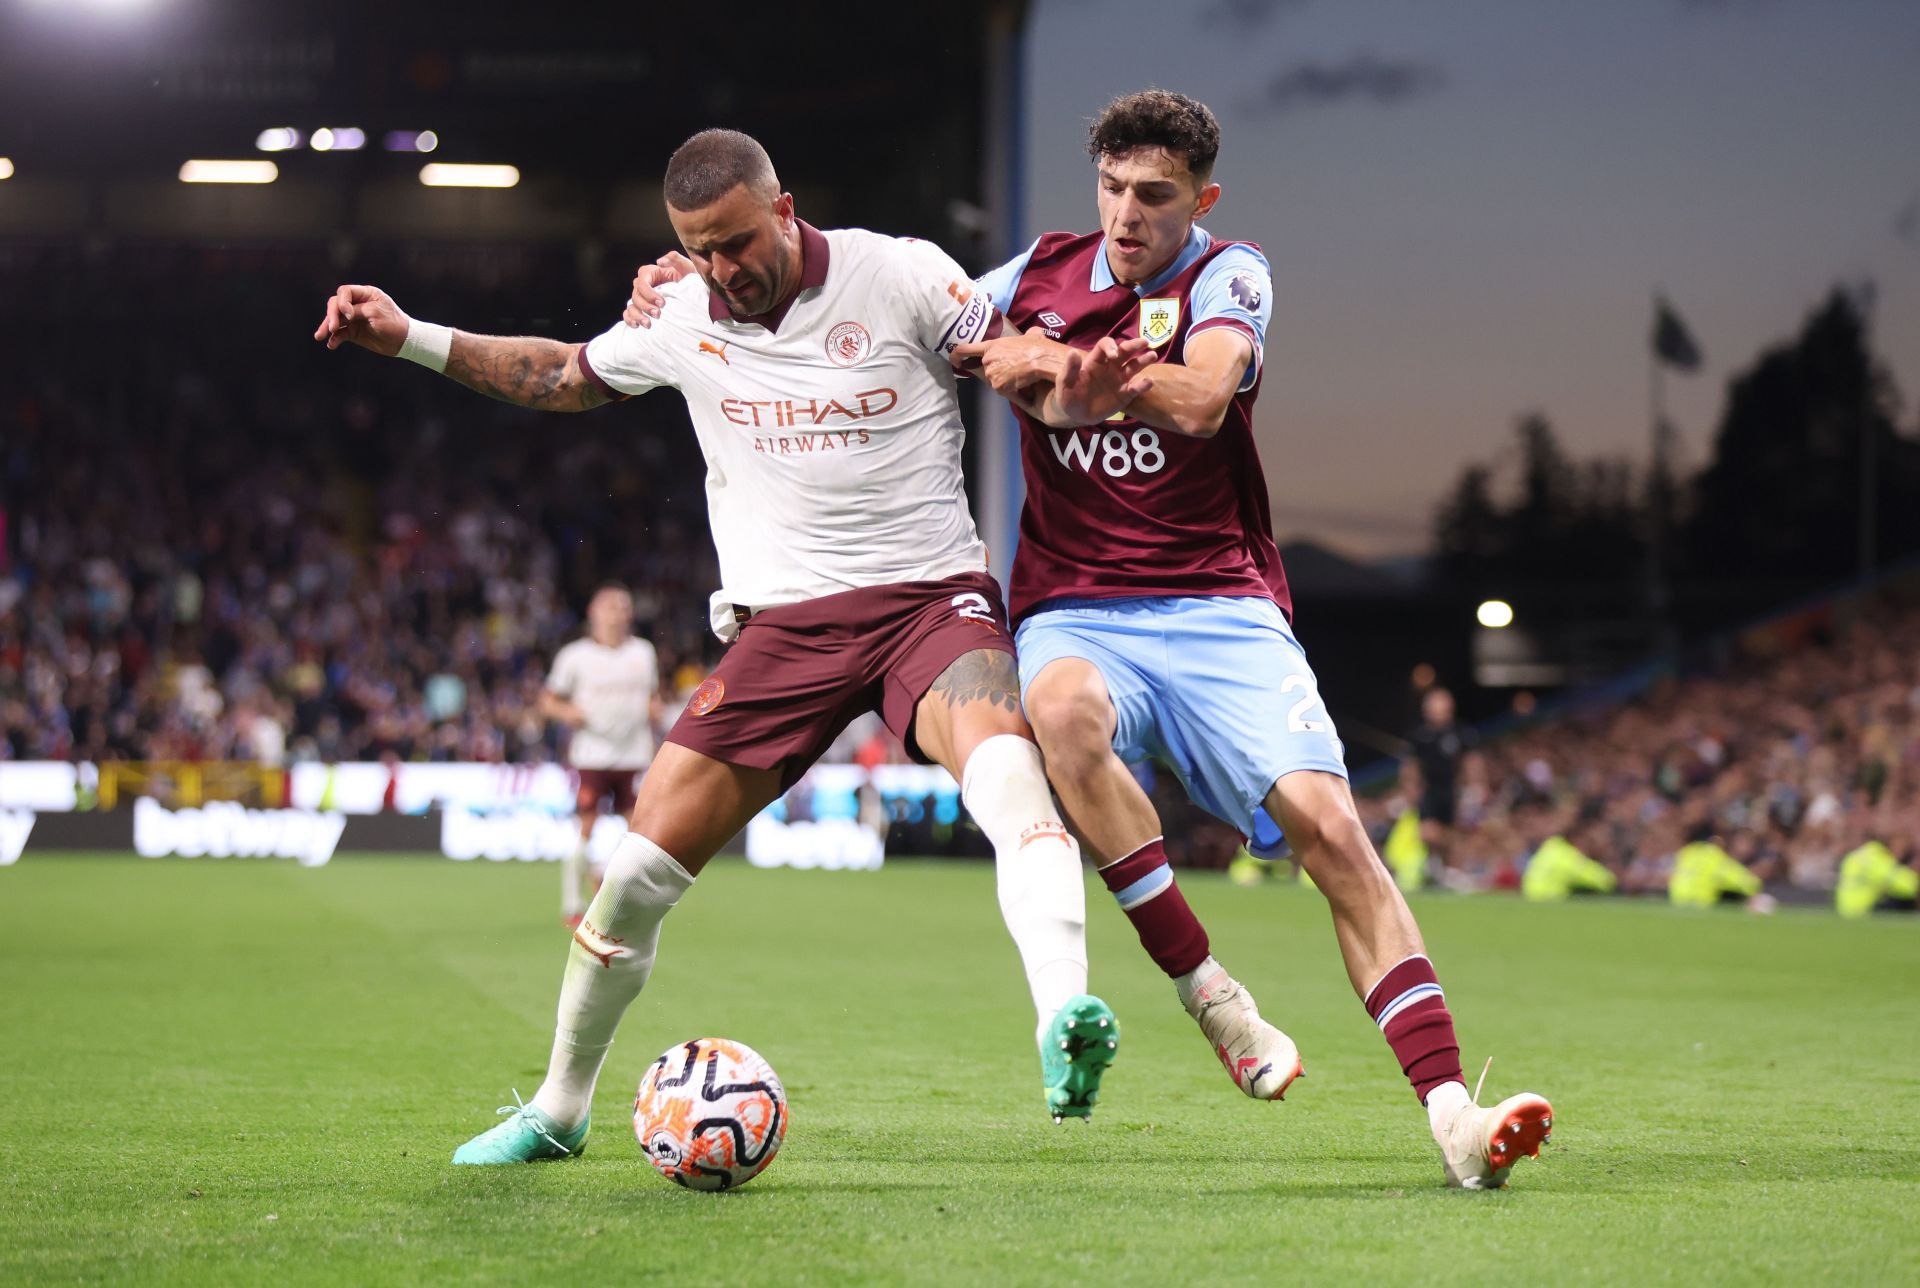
column 1198, row 239
column 813, row 272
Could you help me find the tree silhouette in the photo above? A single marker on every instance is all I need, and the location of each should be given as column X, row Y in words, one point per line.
column 1568, row 520
column 1469, row 531
column 1782, row 495
column 1806, row 445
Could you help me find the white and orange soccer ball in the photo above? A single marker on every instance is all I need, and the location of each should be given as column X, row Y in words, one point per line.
column 710, row 1114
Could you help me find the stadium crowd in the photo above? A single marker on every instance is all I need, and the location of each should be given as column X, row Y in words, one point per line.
column 306, row 555
column 1787, row 761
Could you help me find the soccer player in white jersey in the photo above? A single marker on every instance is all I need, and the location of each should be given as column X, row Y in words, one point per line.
column 605, row 687
column 815, row 368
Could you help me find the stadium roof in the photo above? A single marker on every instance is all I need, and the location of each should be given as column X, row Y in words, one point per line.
column 91, row 93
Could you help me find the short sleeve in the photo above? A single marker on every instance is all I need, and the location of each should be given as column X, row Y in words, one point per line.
column 999, row 284
column 561, row 677
column 626, row 360
column 945, row 308
column 1235, row 290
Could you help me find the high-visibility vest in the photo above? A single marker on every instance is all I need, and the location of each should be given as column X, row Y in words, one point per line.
column 1703, row 871
column 1558, row 868
column 1406, row 852
column 1870, row 874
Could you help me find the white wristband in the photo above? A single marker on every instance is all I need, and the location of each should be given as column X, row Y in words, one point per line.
column 428, row 344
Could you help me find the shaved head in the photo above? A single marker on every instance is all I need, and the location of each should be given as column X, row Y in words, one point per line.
column 713, row 163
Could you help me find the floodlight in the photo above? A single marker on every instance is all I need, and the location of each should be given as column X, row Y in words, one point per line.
column 229, row 172
column 440, row 174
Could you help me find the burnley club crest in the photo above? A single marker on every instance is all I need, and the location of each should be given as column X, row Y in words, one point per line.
column 1159, row 319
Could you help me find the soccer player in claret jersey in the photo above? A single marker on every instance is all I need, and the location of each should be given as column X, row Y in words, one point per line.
column 816, row 369
column 605, row 686
column 1153, row 616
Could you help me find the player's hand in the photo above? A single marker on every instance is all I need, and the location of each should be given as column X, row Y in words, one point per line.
column 1012, row 363
column 645, row 304
column 1106, row 379
column 366, row 316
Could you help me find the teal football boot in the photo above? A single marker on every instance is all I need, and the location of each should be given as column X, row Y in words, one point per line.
column 1081, row 1042
column 526, row 1137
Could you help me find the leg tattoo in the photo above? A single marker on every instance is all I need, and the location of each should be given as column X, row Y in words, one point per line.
column 984, row 675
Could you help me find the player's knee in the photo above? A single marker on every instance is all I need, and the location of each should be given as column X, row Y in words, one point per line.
column 1337, row 843
column 1071, row 725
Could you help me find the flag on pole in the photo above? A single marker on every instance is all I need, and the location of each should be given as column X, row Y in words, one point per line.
column 1673, row 344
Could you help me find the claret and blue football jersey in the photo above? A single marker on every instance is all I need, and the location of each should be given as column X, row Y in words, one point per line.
column 1125, row 509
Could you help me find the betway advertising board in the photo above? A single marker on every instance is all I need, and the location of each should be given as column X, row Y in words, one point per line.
column 837, row 817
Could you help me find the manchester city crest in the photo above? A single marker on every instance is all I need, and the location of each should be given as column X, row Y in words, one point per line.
column 1159, row 319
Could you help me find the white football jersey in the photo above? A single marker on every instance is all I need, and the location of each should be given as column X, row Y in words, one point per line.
column 615, row 688
column 832, row 443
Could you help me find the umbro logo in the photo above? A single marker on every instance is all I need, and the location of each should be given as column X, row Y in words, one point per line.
column 717, row 350
column 1052, row 319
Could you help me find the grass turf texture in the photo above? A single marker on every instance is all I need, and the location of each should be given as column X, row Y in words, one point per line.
column 240, row 1071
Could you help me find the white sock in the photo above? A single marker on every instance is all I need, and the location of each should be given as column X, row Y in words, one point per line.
column 1043, row 896
column 571, row 869
column 1189, row 984
column 1443, row 1102
column 607, row 966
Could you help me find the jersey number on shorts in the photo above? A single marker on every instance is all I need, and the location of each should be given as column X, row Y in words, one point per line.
column 1118, row 452
column 973, row 606
column 1296, row 721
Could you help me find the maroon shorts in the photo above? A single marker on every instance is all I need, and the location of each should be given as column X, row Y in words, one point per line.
column 597, row 785
column 799, row 673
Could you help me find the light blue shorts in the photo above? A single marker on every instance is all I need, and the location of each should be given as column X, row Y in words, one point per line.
column 1215, row 688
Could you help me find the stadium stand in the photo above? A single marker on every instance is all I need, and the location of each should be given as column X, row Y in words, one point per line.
column 205, row 557
column 1789, row 751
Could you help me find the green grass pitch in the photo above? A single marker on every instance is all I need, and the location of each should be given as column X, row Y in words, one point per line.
column 247, row 1072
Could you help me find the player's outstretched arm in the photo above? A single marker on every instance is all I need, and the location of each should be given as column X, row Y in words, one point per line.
column 1191, row 397
column 1059, row 385
column 1013, row 363
column 523, row 370
column 1186, row 398
column 1099, row 383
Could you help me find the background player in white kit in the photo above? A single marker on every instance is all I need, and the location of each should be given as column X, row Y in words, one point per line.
column 815, row 367
column 605, row 686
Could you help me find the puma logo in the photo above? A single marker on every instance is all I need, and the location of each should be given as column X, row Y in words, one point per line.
column 1247, row 1070
column 717, row 350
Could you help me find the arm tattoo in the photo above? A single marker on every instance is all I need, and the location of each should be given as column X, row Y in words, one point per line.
column 984, row 675
column 526, row 372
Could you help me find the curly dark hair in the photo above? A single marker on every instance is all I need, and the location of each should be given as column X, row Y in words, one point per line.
column 1157, row 118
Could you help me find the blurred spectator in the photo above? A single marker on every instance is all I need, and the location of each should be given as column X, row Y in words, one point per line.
column 1440, row 744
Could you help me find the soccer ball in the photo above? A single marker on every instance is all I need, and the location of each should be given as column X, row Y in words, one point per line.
column 710, row 1114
